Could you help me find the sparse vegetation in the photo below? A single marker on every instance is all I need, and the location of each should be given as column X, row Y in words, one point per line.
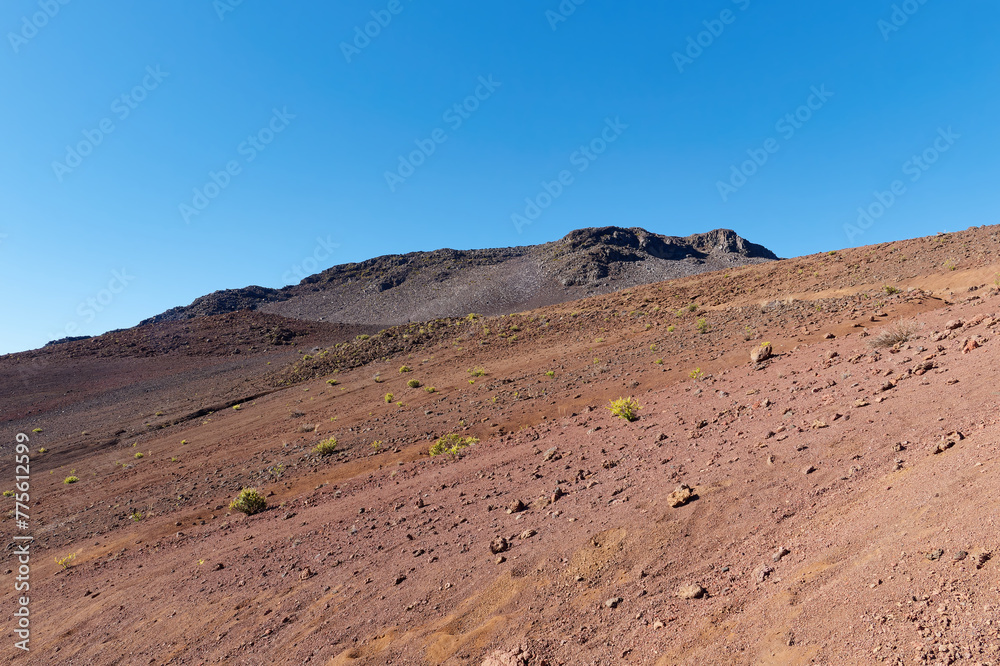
column 658, row 361
column 237, row 408
column 671, row 329
column 413, row 383
column 249, row 501
column 138, row 454
column 36, row 430
column 136, row 516
column 451, row 444
column 405, row 368
column 890, row 290
column 550, row 373
column 625, row 408
column 696, row 374
column 326, row 448
column 748, row 333
column 43, row 450
column 430, row 389
column 389, row 398
column 71, row 479
column 8, row 493
column 897, row 332
column 477, row 372
column 332, row 382
column 65, row 560
column 950, row 265
column 703, row 325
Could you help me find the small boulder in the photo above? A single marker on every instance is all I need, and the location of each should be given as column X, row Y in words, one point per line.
column 680, row 497
column 761, row 353
column 499, row 545
column 691, row 592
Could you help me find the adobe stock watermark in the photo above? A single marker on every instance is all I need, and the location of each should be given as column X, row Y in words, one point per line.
column 580, row 159
column 30, row 25
column 363, row 35
column 562, row 13
column 311, row 264
column 786, row 126
column 455, row 116
column 899, row 17
column 714, row 28
column 249, row 149
column 89, row 308
column 915, row 168
column 122, row 107
column 223, row 7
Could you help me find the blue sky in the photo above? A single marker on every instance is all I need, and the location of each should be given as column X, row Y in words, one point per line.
column 155, row 152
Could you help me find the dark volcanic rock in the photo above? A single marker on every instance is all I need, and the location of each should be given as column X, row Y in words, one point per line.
column 419, row 286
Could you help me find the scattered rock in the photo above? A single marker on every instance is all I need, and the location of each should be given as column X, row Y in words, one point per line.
column 934, row 554
column 982, row 558
column 681, row 496
column 763, row 573
column 527, row 534
column 398, row 579
column 499, row 545
column 861, row 402
column 691, row 592
column 819, row 424
column 808, row 469
column 953, row 324
column 515, row 506
column 761, row 353
column 780, row 553
column 551, row 454
column 960, row 555
column 306, row 574
column 970, row 344
column 613, row 602
column 658, row 625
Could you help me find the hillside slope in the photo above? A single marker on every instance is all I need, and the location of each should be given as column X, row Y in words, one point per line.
column 843, row 506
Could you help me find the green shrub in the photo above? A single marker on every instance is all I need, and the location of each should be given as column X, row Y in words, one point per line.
column 697, row 374
column 8, row 493
column 890, row 290
column 671, row 329
column 389, row 398
column 451, row 444
column 477, row 372
column 406, row 368
column 703, row 325
column 431, row 389
column 71, row 479
column 413, row 383
column 550, row 373
column 626, row 408
column 327, row 447
column 37, row 430
column 332, row 382
column 43, row 450
column 138, row 454
column 249, row 501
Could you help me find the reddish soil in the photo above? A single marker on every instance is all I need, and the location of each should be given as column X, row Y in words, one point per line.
column 837, row 452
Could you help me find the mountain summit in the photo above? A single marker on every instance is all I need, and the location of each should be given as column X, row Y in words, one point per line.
column 417, row 286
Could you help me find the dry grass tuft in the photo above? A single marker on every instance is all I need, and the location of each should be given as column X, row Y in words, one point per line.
column 897, row 332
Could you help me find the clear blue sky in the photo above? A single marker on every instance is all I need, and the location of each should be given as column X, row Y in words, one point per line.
column 200, row 78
